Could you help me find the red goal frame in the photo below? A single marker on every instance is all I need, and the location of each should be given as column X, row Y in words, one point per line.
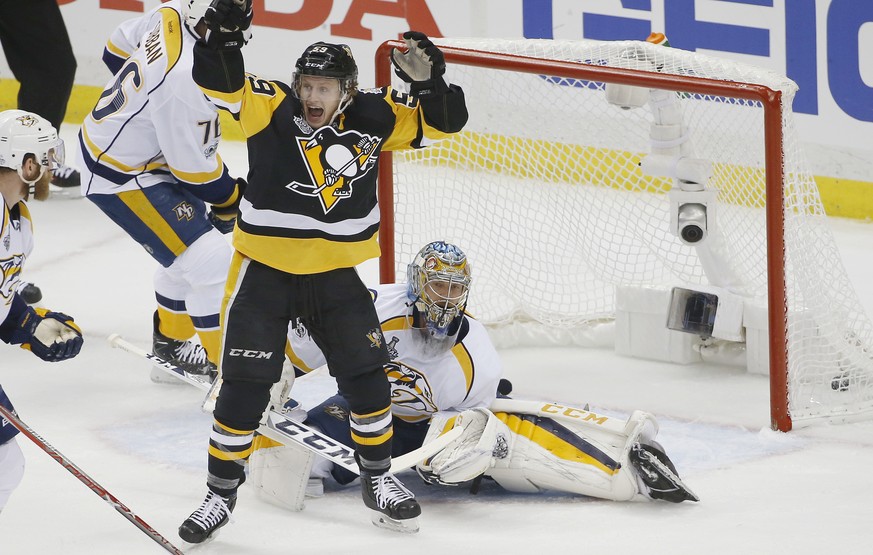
column 780, row 418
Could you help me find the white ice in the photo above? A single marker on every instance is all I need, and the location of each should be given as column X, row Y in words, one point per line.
column 806, row 492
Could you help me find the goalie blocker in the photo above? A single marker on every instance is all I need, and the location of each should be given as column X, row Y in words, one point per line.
column 525, row 446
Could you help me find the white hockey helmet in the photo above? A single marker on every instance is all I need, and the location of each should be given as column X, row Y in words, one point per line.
column 23, row 133
column 194, row 10
column 438, row 282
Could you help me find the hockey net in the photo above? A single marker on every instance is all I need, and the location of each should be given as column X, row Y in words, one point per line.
column 543, row 189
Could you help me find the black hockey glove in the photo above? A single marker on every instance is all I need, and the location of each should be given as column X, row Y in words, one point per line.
column 223, row 218
column 422, row 65
column 228, row 23
column 52, row 336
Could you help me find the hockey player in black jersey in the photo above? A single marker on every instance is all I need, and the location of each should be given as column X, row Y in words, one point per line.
column 308, row 217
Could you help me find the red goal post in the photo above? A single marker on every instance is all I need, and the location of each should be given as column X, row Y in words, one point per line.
column 575, row 72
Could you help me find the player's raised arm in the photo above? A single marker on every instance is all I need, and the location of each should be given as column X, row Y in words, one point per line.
column 423, row 67
column 218, row 62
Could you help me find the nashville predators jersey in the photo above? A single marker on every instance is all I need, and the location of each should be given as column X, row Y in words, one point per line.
column 311, row 205
column 16, row 244
column 7, row 430
column 426, row 376
column 152, row 124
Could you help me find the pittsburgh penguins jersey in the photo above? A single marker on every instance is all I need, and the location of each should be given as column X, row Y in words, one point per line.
column 425, row 378
column 311, row 205
column 152, row 124
column 16, row 244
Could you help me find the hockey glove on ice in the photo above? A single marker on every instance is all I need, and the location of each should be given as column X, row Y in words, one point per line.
column 228, row 23
column 422, row 65
column 223, row 218
column 52, row 336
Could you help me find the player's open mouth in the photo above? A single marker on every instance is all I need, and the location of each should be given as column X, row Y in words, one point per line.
column 315, row 113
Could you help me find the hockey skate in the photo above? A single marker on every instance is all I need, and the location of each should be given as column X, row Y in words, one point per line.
column 393, row 506
column 189, row 356
column 658, row 476
column 212, row 514
column 65, row 182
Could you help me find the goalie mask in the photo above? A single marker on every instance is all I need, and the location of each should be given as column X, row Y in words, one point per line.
column 333, row 61
column 23, row 133
column 438, row 282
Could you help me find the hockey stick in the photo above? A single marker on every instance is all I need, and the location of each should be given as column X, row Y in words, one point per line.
column 279, row 427
column 101, row 492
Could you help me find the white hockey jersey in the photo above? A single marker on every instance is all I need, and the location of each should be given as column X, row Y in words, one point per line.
column 16, row 244
column 152, row 121
column 424, row 380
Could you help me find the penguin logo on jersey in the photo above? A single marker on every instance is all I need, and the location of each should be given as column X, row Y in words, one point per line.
column 334, row 161
column 375, row 337
column 410, row 388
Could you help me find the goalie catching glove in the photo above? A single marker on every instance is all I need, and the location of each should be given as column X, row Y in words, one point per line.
column 228, row 23
column 422, row 65
column 52, row 336
column 467, row 457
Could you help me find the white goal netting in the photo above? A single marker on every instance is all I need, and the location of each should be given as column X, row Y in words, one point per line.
column 544, row 191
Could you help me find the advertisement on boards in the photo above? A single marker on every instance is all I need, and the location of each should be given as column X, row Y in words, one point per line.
column 825, row 46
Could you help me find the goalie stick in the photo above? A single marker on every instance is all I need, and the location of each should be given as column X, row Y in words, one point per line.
column 279, row 427
column 101, row 492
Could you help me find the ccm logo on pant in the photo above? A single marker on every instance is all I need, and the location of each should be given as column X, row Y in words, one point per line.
column 246, row 353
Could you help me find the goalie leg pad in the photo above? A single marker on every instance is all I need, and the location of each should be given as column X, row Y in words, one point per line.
column 571, row 450
column 280, row 473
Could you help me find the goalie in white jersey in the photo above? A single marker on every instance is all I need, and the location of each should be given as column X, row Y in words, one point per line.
column 149, row 157
column 445, row 373
column 29, row 151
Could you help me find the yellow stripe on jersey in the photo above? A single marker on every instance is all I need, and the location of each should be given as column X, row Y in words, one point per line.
column 236, row 191
column 466, row 361
column 103, row 158
column 261, row 98
column 116, row 50
column 304, row 256
column 200, row 177
column 397, row 323
column 172, row 24
column 407, row 124
column 140, row 205
column 5, row 221
column 24, row 212
column 551, row 443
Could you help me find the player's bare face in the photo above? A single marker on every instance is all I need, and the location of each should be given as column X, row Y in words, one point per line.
column 320, row 97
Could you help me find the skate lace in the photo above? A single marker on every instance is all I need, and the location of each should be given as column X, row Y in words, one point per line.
column 389, row 491
column 191, row 353
column 211, row 512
